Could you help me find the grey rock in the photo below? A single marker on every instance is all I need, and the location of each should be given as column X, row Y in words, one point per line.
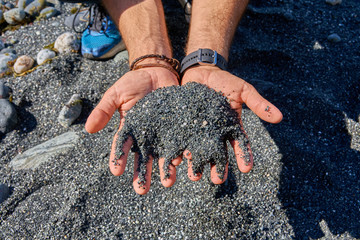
column 4, row 59
column 34, row 157
column 4, row 192
column 71, row 111
column 333, row 2
column 53, row 3
column 44, row 55
column 122, row 56
column 4, row 90
column 8, row 50
column 9, row 5
column 8, row 116
column 1, row 16
column 2, row 45
column 49, row 12
column 334, row 38
column 23, row 3
column 34, row 8
column 14, row 16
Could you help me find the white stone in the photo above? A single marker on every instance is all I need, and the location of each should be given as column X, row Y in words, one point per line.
column 317, row 46
column 44, row 55
column 67, row 42
column 23, row 63
column 71, row 111
column 34, row 157
column 14, row 16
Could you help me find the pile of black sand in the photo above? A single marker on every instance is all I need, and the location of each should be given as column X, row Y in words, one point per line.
column 170, row 120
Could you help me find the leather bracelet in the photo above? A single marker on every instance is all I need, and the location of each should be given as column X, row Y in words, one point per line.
column 171, row 69
column 203, row 56
column 175, row 64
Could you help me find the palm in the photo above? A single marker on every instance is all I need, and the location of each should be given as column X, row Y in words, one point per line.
column 238, row 92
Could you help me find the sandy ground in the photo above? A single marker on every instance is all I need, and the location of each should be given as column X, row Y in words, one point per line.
column 305, row 183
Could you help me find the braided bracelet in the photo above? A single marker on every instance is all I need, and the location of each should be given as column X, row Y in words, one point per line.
column 175, row 64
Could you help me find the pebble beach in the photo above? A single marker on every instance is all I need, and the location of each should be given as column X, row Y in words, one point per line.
column 303, row 56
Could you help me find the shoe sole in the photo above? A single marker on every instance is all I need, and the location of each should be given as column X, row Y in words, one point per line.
column 110, row 54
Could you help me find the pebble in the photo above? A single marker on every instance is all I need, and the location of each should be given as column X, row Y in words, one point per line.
column 8, row 116
column 49, row 12
column 4, row 192
column 14, row 16
column 44, row 55
column 317, row 46
column 333, row 2
column 1, row 17
column 34, row 157
column 71, row 111
column 23, row 3
column 4, row 90
column 334, row 38
column 67, row 42
column 9, row 5
column 122, row 56
column 8, row 50
column 2, row 45
column 23, row 63
column 4, row 59
column 34, row 8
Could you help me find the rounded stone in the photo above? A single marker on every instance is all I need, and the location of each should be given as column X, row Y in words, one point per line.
column 122, row 56
column 8, row 50
column 4, row 192
column 49, row 12
column 4, row 90
column 35, row 7
column 23, row 3
column 4, row 59
column 71, row 111
column 8, row 116
column 334, row 38
column 23, row 63
column 14, row 16
column 67, row 42
column 44, row 55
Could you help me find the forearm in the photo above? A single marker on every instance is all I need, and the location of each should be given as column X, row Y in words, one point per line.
column 213, row 24
column 142, row 26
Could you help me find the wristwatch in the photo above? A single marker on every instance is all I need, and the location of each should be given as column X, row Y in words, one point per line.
column 203, row 56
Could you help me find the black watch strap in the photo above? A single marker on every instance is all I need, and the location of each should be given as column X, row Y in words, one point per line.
column 203, row 56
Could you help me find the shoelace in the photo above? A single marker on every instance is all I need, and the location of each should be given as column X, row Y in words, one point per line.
column 93, row 20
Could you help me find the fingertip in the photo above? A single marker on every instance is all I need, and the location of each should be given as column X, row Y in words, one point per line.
column 176, row 161
column 244, row 164
column 171, row 179
column 215, row 177
column 193, row 176
column 142, row 187
column 96, row 121
column 187, row 155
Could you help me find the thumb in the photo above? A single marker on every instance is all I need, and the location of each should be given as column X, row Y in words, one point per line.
column 259, row 105
column 103, row 112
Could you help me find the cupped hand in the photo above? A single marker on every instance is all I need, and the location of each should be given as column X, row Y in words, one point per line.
column 123, row 95
column 238, row 92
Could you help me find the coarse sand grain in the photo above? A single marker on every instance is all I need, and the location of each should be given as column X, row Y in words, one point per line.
column 191, row 117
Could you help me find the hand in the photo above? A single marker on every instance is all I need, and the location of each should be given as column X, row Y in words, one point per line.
column 122, row 96
column 238, row 92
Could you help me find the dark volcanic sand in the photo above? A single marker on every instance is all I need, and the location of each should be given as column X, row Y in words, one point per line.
column 170, row 120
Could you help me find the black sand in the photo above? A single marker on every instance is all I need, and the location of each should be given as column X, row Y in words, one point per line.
column 305, row 183
column 171, row 120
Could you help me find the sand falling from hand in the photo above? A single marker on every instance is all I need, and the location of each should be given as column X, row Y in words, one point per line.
column 190, row 117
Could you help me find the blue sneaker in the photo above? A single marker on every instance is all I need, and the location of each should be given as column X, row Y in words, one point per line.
column 100, row 40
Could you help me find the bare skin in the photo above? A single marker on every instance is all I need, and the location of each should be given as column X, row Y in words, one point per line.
column 142, row 26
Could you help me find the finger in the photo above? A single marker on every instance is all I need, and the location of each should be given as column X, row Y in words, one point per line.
column 259, row 105
column 187, row 154
column 176, row 161
column 215, row 177
column 103, row 112
column 193, row 176
column 117, row 165
column 170, row 180
column 142, row 187
column 243, row 163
